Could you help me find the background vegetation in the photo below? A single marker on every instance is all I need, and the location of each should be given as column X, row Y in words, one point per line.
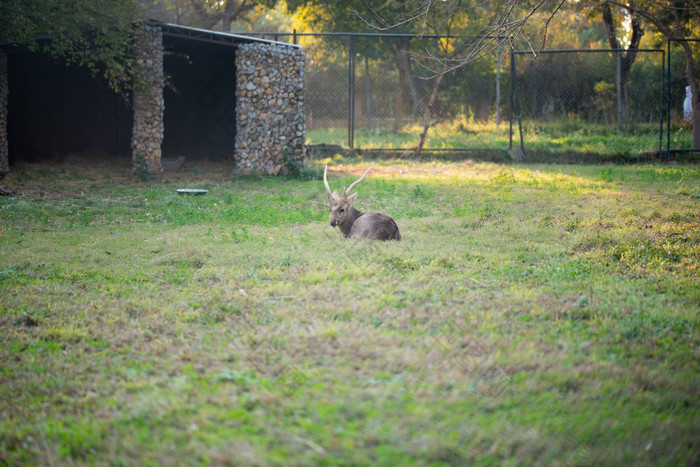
column 536, row 314
column 393, row 81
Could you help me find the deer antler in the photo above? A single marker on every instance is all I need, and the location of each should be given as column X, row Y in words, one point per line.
column 325, row 181
column 354, row 184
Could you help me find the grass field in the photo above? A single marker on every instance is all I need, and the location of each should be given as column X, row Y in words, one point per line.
column 532, row 314
column 540, row 138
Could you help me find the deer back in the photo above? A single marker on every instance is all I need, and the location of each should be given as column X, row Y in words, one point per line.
column 375, row 226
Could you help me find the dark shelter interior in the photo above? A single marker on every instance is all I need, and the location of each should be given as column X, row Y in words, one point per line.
column 200, row 99
column 55, row 110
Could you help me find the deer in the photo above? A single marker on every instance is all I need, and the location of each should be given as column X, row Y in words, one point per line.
column 357, row 224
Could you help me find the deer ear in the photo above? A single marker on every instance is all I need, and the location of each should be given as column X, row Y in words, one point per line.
column 352, row 198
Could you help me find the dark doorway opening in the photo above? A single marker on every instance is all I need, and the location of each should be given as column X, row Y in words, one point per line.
column 55, row 110
column 200, row 100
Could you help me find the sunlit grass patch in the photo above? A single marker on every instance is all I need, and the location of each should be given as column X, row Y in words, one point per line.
column 556, row 137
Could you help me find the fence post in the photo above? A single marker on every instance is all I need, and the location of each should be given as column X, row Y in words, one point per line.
column 498, row 86
column 668, row 101
column 618, row 79
column 520, row 121
column 367, row 91
column 351, row 91
column 661, row 102
column 512, row 92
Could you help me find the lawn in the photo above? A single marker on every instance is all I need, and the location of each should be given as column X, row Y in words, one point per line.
column 531, row 314
column 540, row 139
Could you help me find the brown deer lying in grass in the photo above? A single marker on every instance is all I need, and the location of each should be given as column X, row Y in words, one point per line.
column 354, row 223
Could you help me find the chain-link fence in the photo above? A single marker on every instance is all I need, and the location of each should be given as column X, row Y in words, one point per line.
column 679, row 138
column 589, row 101
column 370, row 91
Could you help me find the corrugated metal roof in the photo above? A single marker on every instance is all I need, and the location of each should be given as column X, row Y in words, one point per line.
column 216, row 37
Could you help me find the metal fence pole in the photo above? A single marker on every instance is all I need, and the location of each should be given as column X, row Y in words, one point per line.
column 367, row 92
column 618, row 81
column 512, row 92
column 661, row 102
column 520, row 121
column 668, row 102
column 351, row 91
column 498, row 86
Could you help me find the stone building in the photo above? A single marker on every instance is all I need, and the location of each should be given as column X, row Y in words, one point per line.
column 203, row 94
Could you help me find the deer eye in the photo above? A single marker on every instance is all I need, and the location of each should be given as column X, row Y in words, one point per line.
column 341, row 210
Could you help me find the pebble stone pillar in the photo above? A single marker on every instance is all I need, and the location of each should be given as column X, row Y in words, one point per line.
column 4, row 91
column 270, row 120
column 148, row 104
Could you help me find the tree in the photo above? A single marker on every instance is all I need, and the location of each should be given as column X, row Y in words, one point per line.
column 627, row 58
column 97, row 35
column 504, row 22
column 329, row 16
column 513, row 20
column 445, row 20
column 207, row 14
column 441, row 22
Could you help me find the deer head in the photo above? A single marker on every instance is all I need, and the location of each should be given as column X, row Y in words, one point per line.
column 341, row 207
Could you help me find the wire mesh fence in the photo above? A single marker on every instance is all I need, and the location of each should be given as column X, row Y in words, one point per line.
column 370, row 91
column 577, row 99
column 679, row 108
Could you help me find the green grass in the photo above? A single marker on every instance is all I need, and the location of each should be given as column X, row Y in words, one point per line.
column 546, row 138
column 532, row 314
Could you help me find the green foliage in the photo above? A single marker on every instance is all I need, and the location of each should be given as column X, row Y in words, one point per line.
column 604, row 100
column 141, row 167
column 207, row 14
column 95, row 35
column 295, row 169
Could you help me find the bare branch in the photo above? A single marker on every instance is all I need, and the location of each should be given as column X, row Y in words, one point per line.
column 546, row 25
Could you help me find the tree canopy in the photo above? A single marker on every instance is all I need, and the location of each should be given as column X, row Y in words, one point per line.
column 97, row 35
column 217, row 15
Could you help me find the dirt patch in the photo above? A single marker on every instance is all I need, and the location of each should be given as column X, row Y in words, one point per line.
column 79, row 171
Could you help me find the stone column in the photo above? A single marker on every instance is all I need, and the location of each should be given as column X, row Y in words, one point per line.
column 270, row 119
column 4, row 91
column 148, row 104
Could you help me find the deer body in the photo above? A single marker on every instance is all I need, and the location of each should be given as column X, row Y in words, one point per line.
column 373, row 225
column 357, row 224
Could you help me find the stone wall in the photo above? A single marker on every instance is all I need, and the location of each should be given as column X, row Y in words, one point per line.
column 148, row 104
column 4, row 90
column 270, row 121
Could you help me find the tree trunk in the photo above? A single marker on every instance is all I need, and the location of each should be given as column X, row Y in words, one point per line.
column 624, row 95
column 398, row 107
column 628, row 58
column 426, row 115
column 400, row 89
column 408, row 77
column 403, row 63
column 368, row 99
